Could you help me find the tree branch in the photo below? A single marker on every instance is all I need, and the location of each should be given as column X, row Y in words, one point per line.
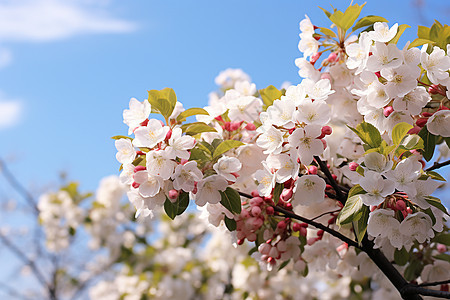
column 410, row 289
column 18, row 186
column 434, row 283
column 437, row 165
column 323, row 167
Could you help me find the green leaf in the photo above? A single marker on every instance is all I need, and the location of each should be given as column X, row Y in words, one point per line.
column 436, row 202
column 284, row 264
column 231, row 200
column 355, row 190
column 162, row 101
column 226, row 146
column 401, row 29
column 191, row 112
column 420, row 42
column 277, row 192
column 400, row 131
column 178, row 207
column 269, row 94
column 412, row 141
column 429, row 141
column 423, row 32
column 360, row 226
column 435, row 176
column 347, row 19
column 401, row 256
column 118, row 137
column 230, row 224
column 352, row 206
column 368, row 21
column 327, row 31
column 443, row 256
column 368, row 133
column 196, row 127
column 326, row 12
column 443, row 238
column 413, row 270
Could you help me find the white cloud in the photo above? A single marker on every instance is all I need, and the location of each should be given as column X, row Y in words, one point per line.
column 46, row 20
column 10, row 113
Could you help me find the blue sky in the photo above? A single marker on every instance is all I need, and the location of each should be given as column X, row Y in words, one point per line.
column 69, row 68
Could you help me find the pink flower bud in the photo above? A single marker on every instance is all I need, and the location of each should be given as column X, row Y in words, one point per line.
column 270, row 210
column 414, row 130
column 296, row 227
column 315, row 57
column 264, row 248
column 441, row 248
column 286, row 194
column 400, row 205
column 250, row 126
column 256, row 211
column 227, row 126
column 235, row 126
column 168, row 134
column 327, row 130
column 388, row 110
column 255, row 193
column 353, row 166
column 251, row 237
column 273, row 252
column 312, row 170
column 219, row 118
column 139, row 168
column 173, row 194
column 333, row 57
column 256, row 201
column 281, row 225
column 426, row 114
column 421, row 122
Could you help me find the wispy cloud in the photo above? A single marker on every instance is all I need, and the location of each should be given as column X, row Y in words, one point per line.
column 10, row 113
column 46, row 20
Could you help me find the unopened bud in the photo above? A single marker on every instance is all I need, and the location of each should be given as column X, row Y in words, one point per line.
column 286, row 194
column 388, row 110
column 426, row 114
column 254, row 193
column 173, row 194
column 250, row 126
column 312, row 170
column 235, row 126
column 281, row 225
column 421, row 122
column 139, row 168
column 227, row 126
column 315, row 57
column 327, row 130
column 296, row 227
column 169, row 134
column 270, row 210
column 414, row 130
column 400, row 205
column 353, row 166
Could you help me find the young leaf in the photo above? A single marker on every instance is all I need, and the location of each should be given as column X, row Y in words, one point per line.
column 429, row 141
column 231, row 200
column 162, row 101
column 178, row 207
column 226, row 146
column 352, row 206
column 413, row 270
column 230, row 224
column 269, row 94
column 420, row 42
column 360, row 226
column 401, row 29
column 443, row 256
column 368, row 133
column 191, row 112
column 345, row 20
column 400, row 131
column 443, row 238
column 368, row 21
column 401, row 256
column 277, row 192
column 326, row 12
column 355, row 190
column 118, row 137
column 435, row 176
column 436, row 202
column 196, row 127
column 327, row 31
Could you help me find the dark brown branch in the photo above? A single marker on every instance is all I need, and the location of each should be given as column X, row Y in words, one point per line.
column 417, row 290
column 437, row 165
column 292, row 215
column 435, row 283
column 326, row 213
column 323, row 167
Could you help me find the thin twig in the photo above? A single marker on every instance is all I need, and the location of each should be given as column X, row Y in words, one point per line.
column 437, row 165
column 435, row 283
column 18, row 186
column 323, row 167
column 326, row 213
